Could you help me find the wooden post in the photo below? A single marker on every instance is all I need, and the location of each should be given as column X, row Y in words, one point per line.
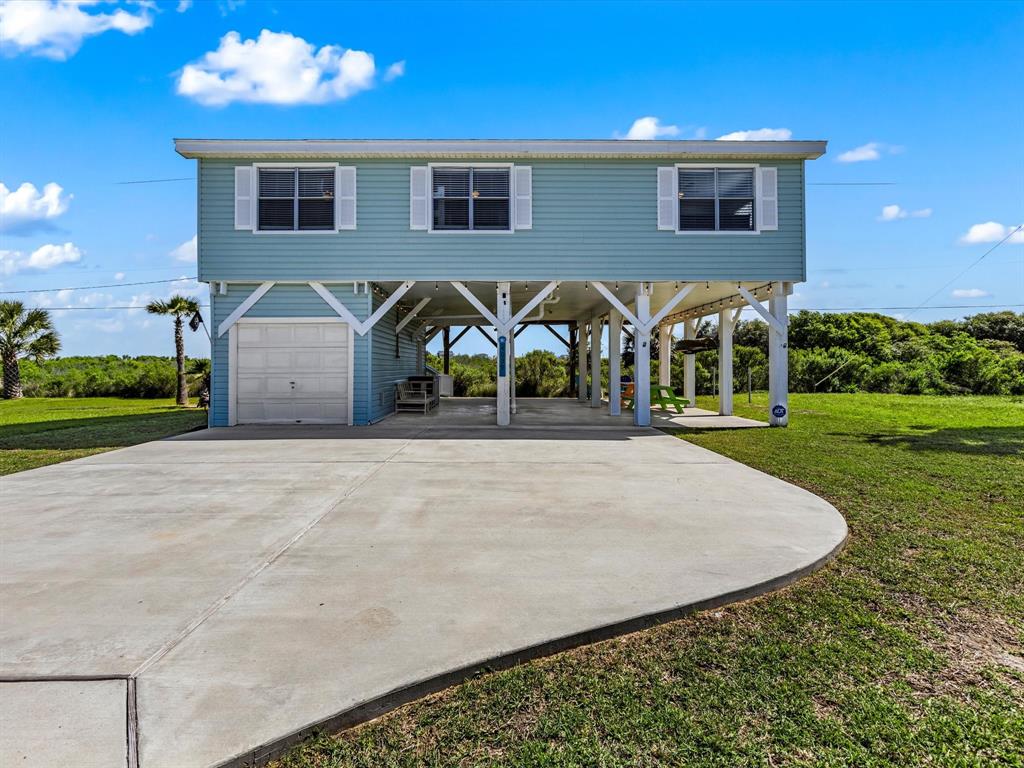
column 572, row 359
column 581, row 357
column 665, row 355
column 595, row 362
column 642, row 358
column 614, row 362
column 690, row 363
column 778, row 360
column 446, row 339
column 725, row 362
column 504, row 316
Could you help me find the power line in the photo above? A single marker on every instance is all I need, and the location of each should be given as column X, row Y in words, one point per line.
column 851, row 183
column 156, row 181
column 107, row 285
column 123, row 306
column 967, row 269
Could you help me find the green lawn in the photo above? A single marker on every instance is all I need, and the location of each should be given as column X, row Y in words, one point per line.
column 37, row 431
column 905, row 651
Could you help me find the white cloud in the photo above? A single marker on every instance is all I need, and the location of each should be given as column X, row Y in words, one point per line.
column 187, row 251
column 760, row 134
column 970, row 293
column 119, row 276
column 183, row 5
column 56, row 28
column 992, row 232
column 893, row 212
column 869, row 151
column 42, row 258
column 26, row 209
column 276, row 68
column 395, row 71
column 650, row 128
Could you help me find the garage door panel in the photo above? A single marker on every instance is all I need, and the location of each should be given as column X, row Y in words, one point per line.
column 292, row 372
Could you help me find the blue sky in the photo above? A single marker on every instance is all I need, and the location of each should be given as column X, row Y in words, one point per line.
column 924, row 97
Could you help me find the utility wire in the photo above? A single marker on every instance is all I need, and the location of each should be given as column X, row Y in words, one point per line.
column 122, row 306
column 105, row 285
column 968, row 268
column 155, row 181
column 939, row 290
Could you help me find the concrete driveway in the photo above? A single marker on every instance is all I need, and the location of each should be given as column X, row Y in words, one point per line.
column 196, row 601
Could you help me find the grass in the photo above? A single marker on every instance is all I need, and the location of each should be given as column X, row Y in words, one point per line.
column 905, row 651
column 37, row 431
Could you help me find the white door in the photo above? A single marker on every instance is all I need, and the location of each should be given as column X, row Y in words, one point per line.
column 289, row 372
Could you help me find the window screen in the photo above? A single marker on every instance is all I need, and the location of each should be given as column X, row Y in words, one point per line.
column 716, row 199
column 296, row 199
column 471, row 198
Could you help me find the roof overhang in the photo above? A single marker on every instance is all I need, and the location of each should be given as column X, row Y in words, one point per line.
column 468, row 149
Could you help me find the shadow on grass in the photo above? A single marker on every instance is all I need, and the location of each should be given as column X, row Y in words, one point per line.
column 993, row 441
column 99, row 432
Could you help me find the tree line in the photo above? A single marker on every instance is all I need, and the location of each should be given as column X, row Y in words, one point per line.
column 828, row 352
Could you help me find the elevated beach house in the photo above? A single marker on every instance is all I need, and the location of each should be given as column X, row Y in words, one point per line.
column 332, row 263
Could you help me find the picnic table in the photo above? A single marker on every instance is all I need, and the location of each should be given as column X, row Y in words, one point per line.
column 661, row 395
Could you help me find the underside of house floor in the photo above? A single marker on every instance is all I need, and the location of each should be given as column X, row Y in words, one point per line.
column 205, row 600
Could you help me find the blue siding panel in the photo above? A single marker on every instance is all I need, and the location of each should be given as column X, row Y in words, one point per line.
column 591, row 220
column 286, row 301
column 392, row 359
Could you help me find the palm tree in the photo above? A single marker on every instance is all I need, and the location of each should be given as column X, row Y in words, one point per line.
column 179, row 306
column 23, row 333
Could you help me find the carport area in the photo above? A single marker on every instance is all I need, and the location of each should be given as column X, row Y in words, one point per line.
column 204, row 600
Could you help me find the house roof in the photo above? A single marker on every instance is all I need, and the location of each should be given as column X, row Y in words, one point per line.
column 447, row 149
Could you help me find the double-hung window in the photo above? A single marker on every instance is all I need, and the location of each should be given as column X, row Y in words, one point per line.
column 716, row 199
column 471, row 198
column 295, row 199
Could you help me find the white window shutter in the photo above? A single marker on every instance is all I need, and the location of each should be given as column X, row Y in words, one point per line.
column 419, row 197
column 345, row 197
column 244, row 178
column 768, row 198
column 668, row 199
column 523, row 181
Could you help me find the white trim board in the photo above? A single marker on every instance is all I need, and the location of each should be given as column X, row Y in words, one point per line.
column 362, row 327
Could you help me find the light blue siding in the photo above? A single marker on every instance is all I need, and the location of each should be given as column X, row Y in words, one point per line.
column 392, row 359
column 287, row 301
column 591, row 220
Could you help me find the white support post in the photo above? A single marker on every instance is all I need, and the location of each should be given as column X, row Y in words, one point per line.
column 665, row 355
column 690, row 363
column 614, row 362
column 778, row 361
column 581, row 354
column 725, row 362
column 504, row 316
column 642, row 357
column 512, row 366
column 595, row 362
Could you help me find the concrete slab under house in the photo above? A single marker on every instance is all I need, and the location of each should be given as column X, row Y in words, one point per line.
column 332, row 264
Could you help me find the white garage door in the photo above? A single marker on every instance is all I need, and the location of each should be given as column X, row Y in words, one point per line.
column 292, row 372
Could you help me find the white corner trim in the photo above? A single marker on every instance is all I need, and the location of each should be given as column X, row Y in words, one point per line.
column 408, row 318
column 758, row 307
column 244, row 307
column 361, row 327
